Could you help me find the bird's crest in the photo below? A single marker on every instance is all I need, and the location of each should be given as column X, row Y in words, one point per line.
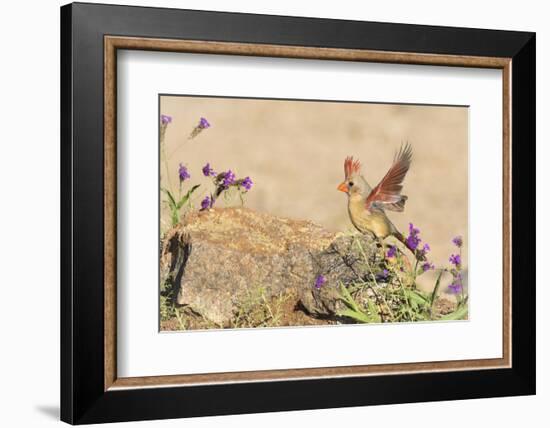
column 351, row 167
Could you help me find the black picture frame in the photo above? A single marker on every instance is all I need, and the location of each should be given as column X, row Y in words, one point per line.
column 83, row 398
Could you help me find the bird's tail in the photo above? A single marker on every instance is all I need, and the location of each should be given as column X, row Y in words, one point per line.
column 419, row 255
column 398, row 206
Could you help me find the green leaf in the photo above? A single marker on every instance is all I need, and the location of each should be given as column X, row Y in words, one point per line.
column 375, row 316
column 348, row 299
column 354, row 311
column 175, row 217
column 459, row 314
column 186, row 197
column 171, row 200
column 417, row 297
column 358, row 316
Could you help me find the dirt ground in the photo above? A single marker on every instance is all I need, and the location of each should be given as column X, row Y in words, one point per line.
column 291, row 315
column 294, row 153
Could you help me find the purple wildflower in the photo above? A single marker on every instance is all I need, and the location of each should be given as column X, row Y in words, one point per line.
column 413, row 240
column 206, row 203
column 203, row 123
column 427, row 266
column 228, row 178
column 207, row 170
column 320, row 281
column 457, row 240
column 165, row 119
column 384, row 274
column 413, row 230
column 183, row 173
column 455, row 260
column 391, row 252
column 247, row 183
column 425, row 249
column 455, row 287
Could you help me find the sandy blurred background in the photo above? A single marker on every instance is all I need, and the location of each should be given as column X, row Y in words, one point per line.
column 294, row 152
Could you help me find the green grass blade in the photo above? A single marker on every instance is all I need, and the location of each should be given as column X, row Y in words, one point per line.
column 375, row 316
column 436, row 288
column 417, row 297
column 348, row 299
column 358, row 316
column 186, row 197
column 175, row 217
column 171, row 200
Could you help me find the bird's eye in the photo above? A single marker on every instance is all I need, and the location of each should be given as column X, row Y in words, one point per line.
column 350, row 183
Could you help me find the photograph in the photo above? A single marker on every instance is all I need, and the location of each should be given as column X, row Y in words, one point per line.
column 293, row 213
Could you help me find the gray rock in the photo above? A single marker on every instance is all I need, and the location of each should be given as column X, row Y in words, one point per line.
column 214, row 257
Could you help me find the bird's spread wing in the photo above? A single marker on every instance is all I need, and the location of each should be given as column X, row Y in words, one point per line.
column 387, row 193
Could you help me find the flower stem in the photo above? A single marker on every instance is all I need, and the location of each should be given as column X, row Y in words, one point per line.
column 165, row 160
column 415, row 272
column 174, row 151
column 462, row 284
column 373, row 277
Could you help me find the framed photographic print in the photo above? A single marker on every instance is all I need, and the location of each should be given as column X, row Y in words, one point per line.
column 265, row 213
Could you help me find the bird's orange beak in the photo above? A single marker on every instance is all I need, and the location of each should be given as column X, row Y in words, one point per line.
column 343, row 187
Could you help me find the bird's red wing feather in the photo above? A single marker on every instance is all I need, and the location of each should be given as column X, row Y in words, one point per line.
column 388, row 191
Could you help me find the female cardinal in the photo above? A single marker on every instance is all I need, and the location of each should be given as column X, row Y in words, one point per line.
column 366, row 206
